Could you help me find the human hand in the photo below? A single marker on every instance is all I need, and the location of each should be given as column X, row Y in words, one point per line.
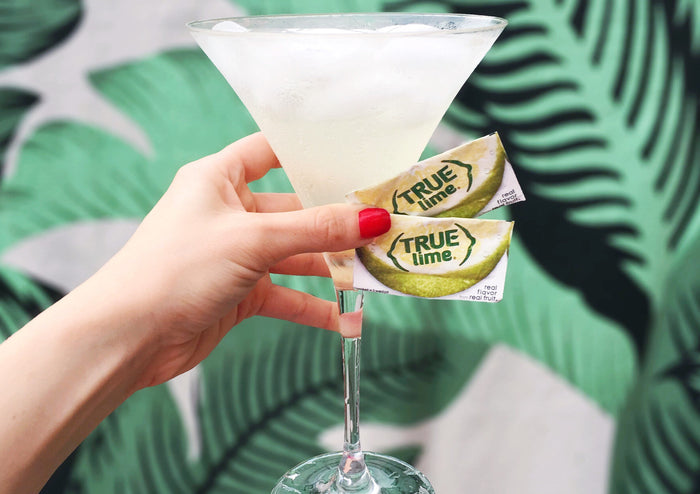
column 200, row 262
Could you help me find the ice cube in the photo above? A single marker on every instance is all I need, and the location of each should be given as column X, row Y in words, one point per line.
column 229, row 27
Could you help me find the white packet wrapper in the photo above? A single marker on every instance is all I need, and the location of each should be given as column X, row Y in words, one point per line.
column 464, row 182
column 435, row 249
column 442, row 258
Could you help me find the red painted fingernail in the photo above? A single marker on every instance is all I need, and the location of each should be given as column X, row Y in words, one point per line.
column 373, row 222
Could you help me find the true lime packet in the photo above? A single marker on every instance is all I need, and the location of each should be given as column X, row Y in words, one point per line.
column 435, row 248
column 450, row 258
column 464, row 182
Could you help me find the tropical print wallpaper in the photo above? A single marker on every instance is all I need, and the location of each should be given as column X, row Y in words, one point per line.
column 584, row 379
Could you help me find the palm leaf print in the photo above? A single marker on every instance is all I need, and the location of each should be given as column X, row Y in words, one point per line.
column 658, row 445
column 171, row 97
column 20, row 300
column 127, row 438
column 265, row 387
column 14, row 103
column 589, row 351
column 597, row 105
column 168, row 95
column 30, row 28
column 256, row 7
column 599, row 115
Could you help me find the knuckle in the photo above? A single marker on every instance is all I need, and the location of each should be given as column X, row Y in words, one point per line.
column 189, row 173
column 299, row 310
column 236, row 174
column 330, row 321
column 329, row 226
column 184, row 171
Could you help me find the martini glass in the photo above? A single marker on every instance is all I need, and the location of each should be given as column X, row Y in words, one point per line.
column 347, row 101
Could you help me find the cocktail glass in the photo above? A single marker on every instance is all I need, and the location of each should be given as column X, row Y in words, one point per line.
column 347, row 101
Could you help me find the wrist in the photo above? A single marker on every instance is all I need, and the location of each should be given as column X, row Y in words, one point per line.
column 65, row 372
column 116, row 323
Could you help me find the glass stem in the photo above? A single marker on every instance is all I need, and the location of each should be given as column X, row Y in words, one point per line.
column 353, row 475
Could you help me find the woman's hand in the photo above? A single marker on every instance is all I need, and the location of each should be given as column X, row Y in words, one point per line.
column 200, row 262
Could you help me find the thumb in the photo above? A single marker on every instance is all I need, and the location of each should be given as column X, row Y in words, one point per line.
column 330, row 228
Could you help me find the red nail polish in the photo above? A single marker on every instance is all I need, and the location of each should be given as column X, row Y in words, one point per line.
column 373, row 222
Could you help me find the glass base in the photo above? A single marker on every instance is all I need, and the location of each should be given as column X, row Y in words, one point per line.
column 319, row 474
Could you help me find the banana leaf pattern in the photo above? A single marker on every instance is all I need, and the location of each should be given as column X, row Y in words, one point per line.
column 597, row 104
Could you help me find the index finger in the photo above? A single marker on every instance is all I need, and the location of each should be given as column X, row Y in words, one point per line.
column 253, row 153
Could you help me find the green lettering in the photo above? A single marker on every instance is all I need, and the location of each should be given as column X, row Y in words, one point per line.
column 438, row 182
column 419, row 189
column 421, row 243
column 431, row 257
column 405, row 195
column 436, row 244
column 463, row 165
column 446, row 174
column 438, row 197
column 452, row 238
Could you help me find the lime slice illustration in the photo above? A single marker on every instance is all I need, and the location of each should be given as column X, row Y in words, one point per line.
column 434, row 257
column 457, row 183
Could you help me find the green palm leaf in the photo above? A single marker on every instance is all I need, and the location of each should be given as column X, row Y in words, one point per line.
column 658, row 442
column 539, row 317
column 68, row 171
column 127, row 438
column 295, row 393
column 175, row 98
column 20, row 300
column 105, row 178
column 14, row 104
column 32, row 27
column 256, row 7
column 596, row 106
column 269, row 391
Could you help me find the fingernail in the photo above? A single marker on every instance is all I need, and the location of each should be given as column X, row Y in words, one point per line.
column 373, row 222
